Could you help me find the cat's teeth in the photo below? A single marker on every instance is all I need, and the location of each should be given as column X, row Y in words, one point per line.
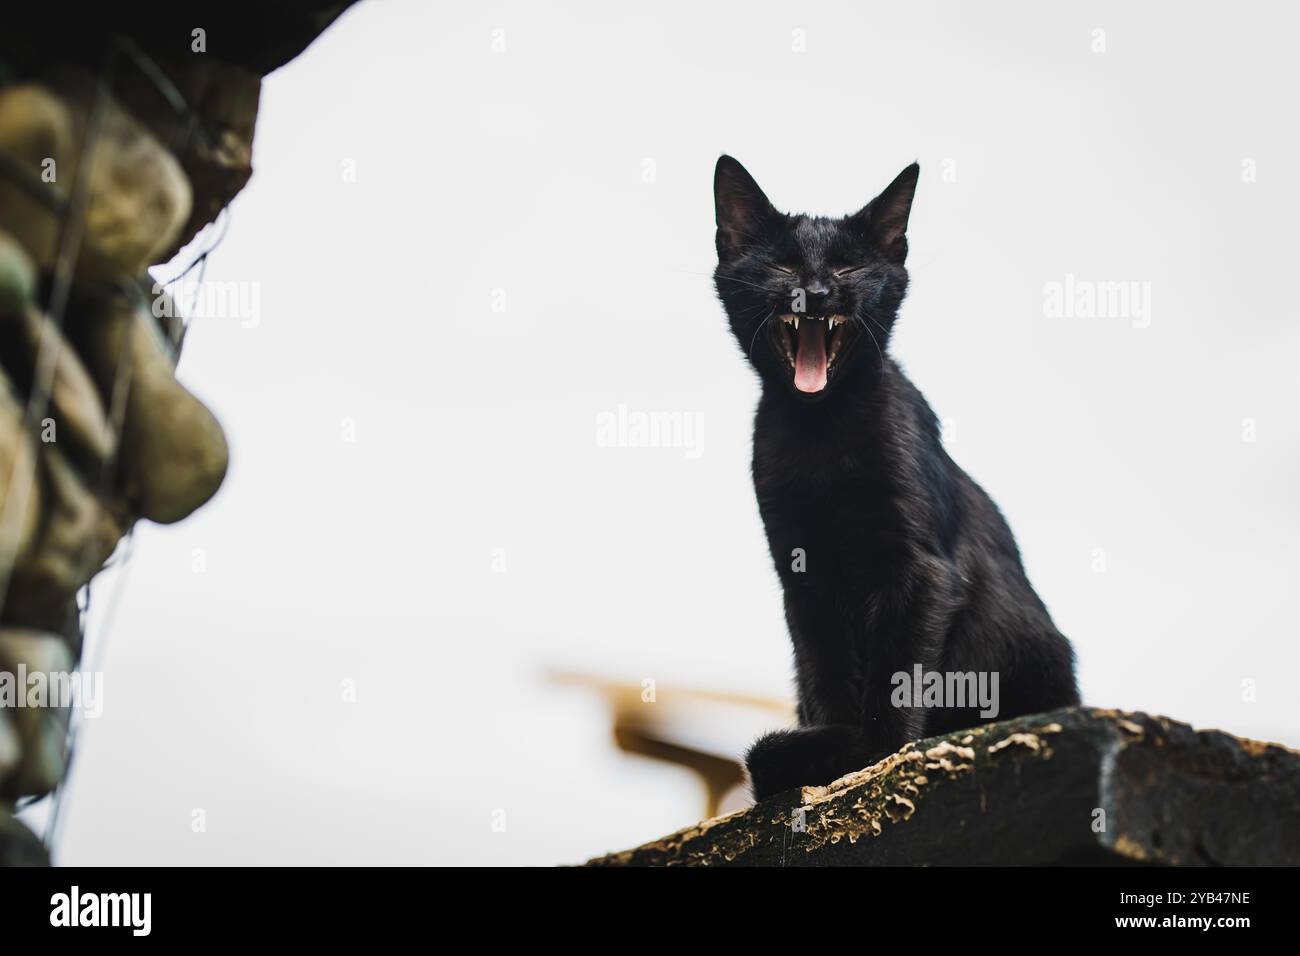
column 796, row 323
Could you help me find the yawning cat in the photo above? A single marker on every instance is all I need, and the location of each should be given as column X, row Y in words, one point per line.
column 893, row 561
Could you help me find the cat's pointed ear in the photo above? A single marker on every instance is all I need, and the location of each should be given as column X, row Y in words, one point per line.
column 739, row 204
column 885, row 217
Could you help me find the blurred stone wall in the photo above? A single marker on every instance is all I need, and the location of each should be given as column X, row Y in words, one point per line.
column 121, row 137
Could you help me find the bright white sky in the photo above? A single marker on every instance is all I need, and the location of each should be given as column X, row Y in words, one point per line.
column 371, row 561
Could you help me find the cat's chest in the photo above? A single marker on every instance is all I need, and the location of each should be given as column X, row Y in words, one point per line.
column 834, row 496
column 828, row 464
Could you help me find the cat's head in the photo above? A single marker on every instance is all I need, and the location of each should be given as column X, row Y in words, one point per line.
column 807, row 295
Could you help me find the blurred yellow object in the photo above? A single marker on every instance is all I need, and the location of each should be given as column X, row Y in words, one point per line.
column 704, row 731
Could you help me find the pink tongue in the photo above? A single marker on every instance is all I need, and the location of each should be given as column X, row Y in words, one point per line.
column 810, row 362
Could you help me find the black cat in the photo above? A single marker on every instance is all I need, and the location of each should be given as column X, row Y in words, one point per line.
column 890, row 556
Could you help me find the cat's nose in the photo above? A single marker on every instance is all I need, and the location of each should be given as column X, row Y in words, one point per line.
column 817, row 294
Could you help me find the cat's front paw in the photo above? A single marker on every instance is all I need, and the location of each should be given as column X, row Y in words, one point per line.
column 809, row 756
column 770, row 768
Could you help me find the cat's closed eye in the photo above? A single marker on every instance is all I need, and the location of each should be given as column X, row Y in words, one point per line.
column 846, row 271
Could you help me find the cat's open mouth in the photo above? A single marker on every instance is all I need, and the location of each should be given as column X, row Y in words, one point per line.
column 812, row 344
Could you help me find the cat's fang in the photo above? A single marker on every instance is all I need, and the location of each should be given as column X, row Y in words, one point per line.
column 837, row 335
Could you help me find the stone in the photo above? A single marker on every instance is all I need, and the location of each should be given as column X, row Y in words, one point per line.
column 78, row 416
column 214, row 142
column 19, row 846
column 173, row 454
column 36, row 127
column 17, row 278
column 20, row 494
column 1074, row 786
column 42, row 731
column 11, row 749
column 78, row 532
column 139, row 196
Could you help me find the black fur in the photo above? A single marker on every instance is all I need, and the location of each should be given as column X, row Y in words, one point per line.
column 908, row 561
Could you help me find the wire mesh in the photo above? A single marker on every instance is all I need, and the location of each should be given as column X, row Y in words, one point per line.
column 71, row 211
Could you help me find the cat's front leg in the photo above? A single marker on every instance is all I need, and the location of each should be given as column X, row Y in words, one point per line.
column 913, row 633
column 888, row 724
column 828, row 742
column 828, row 674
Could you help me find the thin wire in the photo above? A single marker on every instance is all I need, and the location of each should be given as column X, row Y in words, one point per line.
column 97, row 647
column 121, row 558
column 201, row 261
column 163, row 83
column 223, row 217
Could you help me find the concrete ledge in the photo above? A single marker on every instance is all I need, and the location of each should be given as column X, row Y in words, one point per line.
column 1074, row 786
